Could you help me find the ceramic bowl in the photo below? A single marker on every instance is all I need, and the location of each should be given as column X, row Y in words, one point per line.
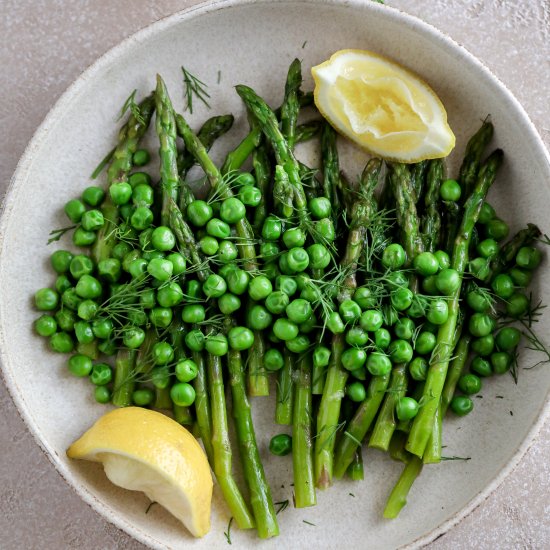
column 227, row 43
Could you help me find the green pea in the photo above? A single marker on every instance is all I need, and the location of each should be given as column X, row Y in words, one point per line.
column 142, row 218
column 481, row 324
column 65, row 319
column 426, row 264
column 238, row 281
column 259, row 318
column 450, row 190
column 93, row 195
column 309, row 325
column 503, row 286
column 120, row 250
column 481, row 367
column 61, row 342
column 483, row 346
column 83, row 332
column 108, row 347
column 356, row 392
column 517, row 305
column 216, row 344
column 371, row 320
column 528, row 257
column 126, row 211
column 501, row 361
column 404, row 328
column 245, row 178
column 141, row 157
column 378, row 364
column 186, row 370
column 110, row 269
column 521, row 277
column 277, row 302
column 429, row 286
column 163, row 239
column 479, row 300
column 143, row 397
column 229, row 303
column 139, row 178
column 161, row 317
column 394, row 256
column 294, row 237
column 102, row 394
column 259, row 288
column 357, row 336
column 240, row 338
column 227, row 252
column 461, row 405
column 209, row 245
column 497, row 229
column 199, row 213
column 92, row 220
column 469, row 384
column 273, row 360
column 45, row 325
column 448, row 281
column 120, row 193
column 425, row 343
column 324, row 230
column 382, row 338
column 365, row 298
column 272, row 228
column 137, row 318
column 143, row 195
column 406, row 408
column 46, row 299
column 193, row 289
column 507, row 339
column 232, row 210
column 286, row 284
column 101, row 374
column 349, row 311
column 353, row 358
column 88, row 287
column 250, row 195
column 438, row 312
column 320, row 207
column 400, row 351
column 80, row 365
column 418, row 369
column 74, row 209
column 70, row 299
column 284, row 329
column 487, row 248
column 280, row 445
column 299, row 344
column 62, row 283
column 418, row 308
column 161, row 269
column 195, row 340
column 486, row 214
column 61, row 261
column 479, row 268
column 390, row 315
column 269, row 251
column 335, row 323
column 83, row 238
column 443, row 259
column 321, row 356
column 102, row 328
column 298, row 259
column 133, row 337
column 319, row 256
column 401, row 298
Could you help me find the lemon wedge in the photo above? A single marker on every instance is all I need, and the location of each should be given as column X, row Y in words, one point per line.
column 143, row 450
column 382, row 107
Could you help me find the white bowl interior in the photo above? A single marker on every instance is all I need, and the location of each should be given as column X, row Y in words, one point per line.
column 253, row 43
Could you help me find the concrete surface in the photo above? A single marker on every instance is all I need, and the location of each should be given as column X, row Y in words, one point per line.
column 45, row 46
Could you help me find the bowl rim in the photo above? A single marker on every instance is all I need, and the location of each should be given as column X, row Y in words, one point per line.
column 153, row 28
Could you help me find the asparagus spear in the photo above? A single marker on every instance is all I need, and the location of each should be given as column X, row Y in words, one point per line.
column 423, row 422
column 302, row 447
column 121, row 163
column 418, row 175
column 307, row 130
column 331, row 168
column 398, row 496
column 291, row 106
column 260, row 493
column 262, row 171
column 355, row 470
column 202, row 405
column 221, row 446
column 431, row 221
column 124, row 377
column 166, row 131
column 285, row 391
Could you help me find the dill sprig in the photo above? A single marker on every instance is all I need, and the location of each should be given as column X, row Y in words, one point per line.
column 56, row 234
column 228, row 532
column 283, row 505
column 193, row 87
column 131, row 105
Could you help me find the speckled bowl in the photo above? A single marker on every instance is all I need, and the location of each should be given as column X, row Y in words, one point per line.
column 226, row 43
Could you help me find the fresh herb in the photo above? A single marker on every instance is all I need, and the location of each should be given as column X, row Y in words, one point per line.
column 219, row 77
column 351, row 495
column 194, row 87
column 304, row 44
column 283, row 505
column 228, row 532
column 99, row 168
column 456, row 458
column 309, row 522
column 131, row 105
column 149, row 507
column 56, row 234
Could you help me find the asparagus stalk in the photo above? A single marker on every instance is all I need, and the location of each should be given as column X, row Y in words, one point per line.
column 431, row 221
column 221, row 446
column 418, row 175
column 285, row 391
column 307, row 131
column 124, row 377
column 302, row 448
column 202, row 405
column 260, row 492
column 356, row 470
column 121, row 163
column 262, row 171
column 331, row 168
column 423, row 422
column 398, row 496
column 291, row 107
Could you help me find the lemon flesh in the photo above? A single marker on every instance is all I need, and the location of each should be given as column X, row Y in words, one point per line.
column 382, row 107
column 143, row 450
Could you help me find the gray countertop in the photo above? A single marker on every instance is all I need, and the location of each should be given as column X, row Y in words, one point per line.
column 46, row 44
